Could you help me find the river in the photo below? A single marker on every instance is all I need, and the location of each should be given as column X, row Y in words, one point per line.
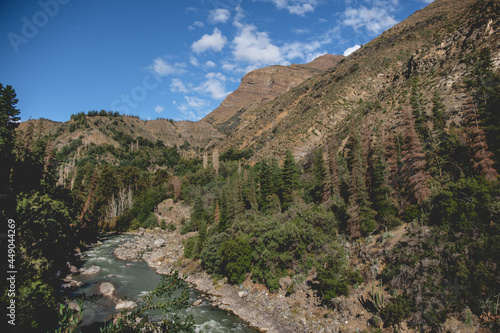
column 132, row 280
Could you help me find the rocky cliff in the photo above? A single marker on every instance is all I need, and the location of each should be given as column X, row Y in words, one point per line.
column 263, row 85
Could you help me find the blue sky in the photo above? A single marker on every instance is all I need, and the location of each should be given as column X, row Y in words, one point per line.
column 168, row 59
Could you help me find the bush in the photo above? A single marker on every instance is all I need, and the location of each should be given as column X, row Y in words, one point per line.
column 236, row 259
column 397, row 310
column 211, row 259
column 190, row 246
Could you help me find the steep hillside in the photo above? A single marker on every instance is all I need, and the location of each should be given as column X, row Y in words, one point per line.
column 262, row 85
column 376, row 81
column 103, row 129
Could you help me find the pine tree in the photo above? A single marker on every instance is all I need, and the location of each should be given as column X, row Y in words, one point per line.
column 177, row 184
column 319, row 192
column 215, row 161
column 486, row 85
column 480, row 155
column 418, row 106
column 265, row 185
column 199, row 213
column 227, row 208
column 217, row 212
column 9, row 120
column 414, row 161
column 290, row 179
column 381, row 197
column 361, row 216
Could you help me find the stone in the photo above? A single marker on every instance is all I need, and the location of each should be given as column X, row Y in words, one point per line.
column 242, row 294
column 74, row 306
column 72, row 269
column 198, row 302
column 159, row 242
column 125, row 305
column 156, row 256
column 90, row 270
column 106, row 289
column 285, row 283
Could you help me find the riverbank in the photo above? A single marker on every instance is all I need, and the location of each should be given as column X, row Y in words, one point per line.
column 267, row 312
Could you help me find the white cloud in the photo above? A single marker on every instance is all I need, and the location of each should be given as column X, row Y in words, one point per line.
column 176, row 86
column 214, row 86
column 376, row 19
column 193, row 61
column 163, row 68
column 299, row 31
column 194, row 108
column 255, row 47
column 296, row 7
column 428, row 1
column 303, row 51
column 301, row 10
column 210, row 64
column 196, row 24
column 159, row 109
column 229, row 67
column 215, row 42
column 351, row 50
column 219, row 15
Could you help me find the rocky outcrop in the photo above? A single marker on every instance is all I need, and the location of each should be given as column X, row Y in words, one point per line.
column 263, row 85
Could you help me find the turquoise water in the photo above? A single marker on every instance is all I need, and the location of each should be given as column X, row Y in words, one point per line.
column 132, row 280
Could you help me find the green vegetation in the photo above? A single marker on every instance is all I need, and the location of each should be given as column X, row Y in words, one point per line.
column 174, row 295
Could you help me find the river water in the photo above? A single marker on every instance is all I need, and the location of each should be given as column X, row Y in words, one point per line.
column 132, row 280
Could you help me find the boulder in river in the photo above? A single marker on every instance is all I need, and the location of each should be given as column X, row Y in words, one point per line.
column 90, row 270
column 125, row 305
column 106, row 288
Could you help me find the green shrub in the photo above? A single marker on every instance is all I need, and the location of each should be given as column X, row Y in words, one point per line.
column 397, row 310
column 190, row 246
column 211, row 258
column 236, row 259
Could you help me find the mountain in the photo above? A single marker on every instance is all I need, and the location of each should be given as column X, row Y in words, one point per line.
column 367, row 184
column 430, row 46
column 258, row 86
column 262, row 85
column 98, row 130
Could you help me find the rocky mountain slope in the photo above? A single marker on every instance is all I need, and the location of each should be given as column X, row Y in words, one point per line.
column 99, row 130
column 300, row 107
column 375, row 82
column 262, row 85
column 257, row 87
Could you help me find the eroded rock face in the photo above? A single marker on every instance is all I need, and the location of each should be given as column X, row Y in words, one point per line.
column 265, row 84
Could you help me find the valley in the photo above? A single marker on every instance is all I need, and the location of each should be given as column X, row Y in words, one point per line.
column 348, row 194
